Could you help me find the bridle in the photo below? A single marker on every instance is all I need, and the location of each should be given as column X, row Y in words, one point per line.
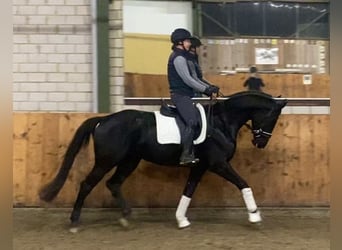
column 258, row 132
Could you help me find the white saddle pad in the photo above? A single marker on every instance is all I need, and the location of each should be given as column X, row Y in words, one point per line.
column 168, row 131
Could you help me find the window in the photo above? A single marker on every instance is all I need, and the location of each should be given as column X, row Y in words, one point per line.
column 218, row 19
column 270, row 19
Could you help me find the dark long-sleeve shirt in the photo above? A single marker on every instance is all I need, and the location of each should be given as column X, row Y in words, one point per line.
column 254, row 83
column 189, row 79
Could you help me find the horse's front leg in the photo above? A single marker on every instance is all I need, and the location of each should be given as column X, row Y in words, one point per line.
column 226, row 171
column 194, row 178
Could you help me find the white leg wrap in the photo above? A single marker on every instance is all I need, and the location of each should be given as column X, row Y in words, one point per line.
column 181, row 211
column 248, row 197
column 254, row 217
column 253, row 212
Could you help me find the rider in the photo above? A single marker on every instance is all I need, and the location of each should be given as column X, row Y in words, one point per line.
column 193, row 62
column 182, row 88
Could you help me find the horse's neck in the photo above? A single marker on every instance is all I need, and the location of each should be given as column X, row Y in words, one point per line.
column 231, row 123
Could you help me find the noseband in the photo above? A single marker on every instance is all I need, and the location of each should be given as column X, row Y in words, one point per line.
column 258, row 132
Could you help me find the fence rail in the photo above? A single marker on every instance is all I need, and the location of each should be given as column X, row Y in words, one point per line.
column 204, row 100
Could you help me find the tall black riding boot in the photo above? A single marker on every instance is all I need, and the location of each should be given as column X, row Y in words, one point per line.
column 188, row 156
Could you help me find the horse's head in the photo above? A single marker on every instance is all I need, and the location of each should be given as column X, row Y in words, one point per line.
column 261, row 108
column 264, row 121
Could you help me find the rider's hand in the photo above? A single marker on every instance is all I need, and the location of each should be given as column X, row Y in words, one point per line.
column 217, row 89
column 214, row 95
column 209, row 91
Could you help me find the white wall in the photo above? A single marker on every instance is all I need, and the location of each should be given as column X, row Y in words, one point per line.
column 150, row 17
column 52, row 55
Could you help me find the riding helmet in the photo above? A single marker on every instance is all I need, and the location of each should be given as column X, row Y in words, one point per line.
column 195, row 42
column 179, row 35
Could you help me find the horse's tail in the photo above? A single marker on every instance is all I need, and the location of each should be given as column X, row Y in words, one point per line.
column 81, row 138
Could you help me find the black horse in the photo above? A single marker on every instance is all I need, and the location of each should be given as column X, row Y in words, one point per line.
column 124, row 138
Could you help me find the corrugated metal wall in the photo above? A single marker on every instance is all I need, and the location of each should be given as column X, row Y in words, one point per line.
column 305, row 56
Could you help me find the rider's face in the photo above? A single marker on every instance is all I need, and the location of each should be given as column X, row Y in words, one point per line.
column 187, row 44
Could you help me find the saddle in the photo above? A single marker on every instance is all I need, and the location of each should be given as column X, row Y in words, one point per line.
column 169, row 124
column 168, row 110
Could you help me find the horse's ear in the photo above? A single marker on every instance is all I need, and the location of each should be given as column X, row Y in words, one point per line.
column 282, row 103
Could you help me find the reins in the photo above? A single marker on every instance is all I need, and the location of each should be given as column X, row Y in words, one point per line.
column 210, row 116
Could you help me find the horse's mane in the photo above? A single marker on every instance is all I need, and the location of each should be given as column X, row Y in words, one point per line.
column 249, row 99
column 249, row 93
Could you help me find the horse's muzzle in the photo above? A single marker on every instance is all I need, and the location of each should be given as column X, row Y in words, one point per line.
column 260, row 142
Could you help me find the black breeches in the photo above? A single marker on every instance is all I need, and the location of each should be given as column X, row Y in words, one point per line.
column 186, row 109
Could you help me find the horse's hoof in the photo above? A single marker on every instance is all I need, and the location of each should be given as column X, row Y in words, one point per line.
column 73, row 230
column 255, row 218
column 183, row 223
column 124, row 223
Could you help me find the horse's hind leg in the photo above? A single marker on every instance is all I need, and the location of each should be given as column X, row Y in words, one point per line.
column 194, row 178
column 86, row 186
column 124, row 169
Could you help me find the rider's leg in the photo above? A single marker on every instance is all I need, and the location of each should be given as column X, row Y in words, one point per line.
column 188, row 156
column 188, row 112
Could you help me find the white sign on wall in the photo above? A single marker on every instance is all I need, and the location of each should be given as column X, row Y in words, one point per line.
column 307, row 79
column 266, row 56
